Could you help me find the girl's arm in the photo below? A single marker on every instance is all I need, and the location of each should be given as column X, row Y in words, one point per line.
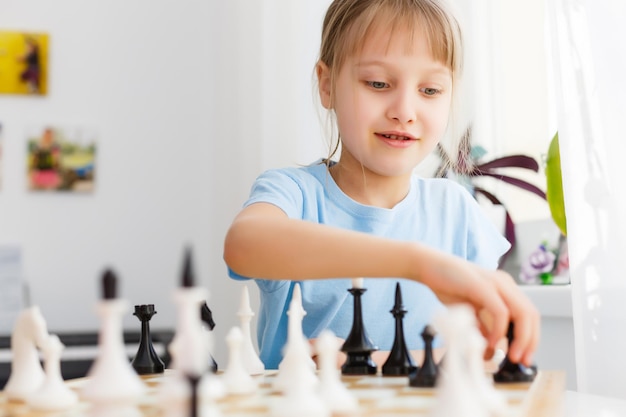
column 263, row 242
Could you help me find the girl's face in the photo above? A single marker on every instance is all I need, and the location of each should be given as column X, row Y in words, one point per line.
column 392, row 102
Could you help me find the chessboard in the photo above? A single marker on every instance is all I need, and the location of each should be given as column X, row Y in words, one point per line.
column 377, row 396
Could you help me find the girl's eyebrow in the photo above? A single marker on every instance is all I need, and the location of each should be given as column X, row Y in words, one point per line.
column 437, row 69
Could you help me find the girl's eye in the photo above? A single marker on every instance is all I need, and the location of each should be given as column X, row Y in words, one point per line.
column 430, row 91
column 378, row 85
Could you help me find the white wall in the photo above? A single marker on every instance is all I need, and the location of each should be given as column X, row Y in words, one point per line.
column 140, row 75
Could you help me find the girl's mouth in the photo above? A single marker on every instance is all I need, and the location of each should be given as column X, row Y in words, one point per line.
column 396, row 140
column 396, row 137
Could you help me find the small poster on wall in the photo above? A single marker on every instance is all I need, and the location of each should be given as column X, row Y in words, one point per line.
column 23, row 63
column 61, row 159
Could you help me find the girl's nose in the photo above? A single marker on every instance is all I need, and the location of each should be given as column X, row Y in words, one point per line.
column 403, row 107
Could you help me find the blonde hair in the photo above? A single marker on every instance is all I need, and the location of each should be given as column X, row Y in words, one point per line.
column 348, row 23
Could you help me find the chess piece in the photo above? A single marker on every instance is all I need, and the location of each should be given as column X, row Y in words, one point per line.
column 29, row 333
column 483, row 385
column 146, row 360
column 426, row 375
column 190, row 350
column 358, row 346
column 111, row 377
column 400, row 362
column 296, row 379
column 53, row 394
column 510, row 372
column 251, row 360
column 456, row 392
column 191, row 343
column 207, row 318
column 297, row 363
column 236, row 376
column 332, row 391
column 464, row 388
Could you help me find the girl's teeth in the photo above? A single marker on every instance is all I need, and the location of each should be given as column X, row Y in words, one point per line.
column 396, row 137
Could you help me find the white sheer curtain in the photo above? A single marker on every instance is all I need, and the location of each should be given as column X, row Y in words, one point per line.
column 591, row 92
column 505, row 91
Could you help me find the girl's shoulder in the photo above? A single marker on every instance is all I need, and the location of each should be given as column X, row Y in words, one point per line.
column 304, row 175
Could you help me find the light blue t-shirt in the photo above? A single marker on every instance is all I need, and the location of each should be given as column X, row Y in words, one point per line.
column 436, row 212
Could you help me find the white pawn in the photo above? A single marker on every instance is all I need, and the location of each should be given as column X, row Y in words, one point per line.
column 333, row 392
column 483, row 385
column 111, row 378
column 296, row 314
column 53, row 394
column 236, row 377
column 298, row 383
column 250, row 358
column 457, row 392
column 297, row 363
column 27, row 375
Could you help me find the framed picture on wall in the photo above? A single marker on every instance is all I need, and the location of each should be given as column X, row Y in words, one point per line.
column 23, row 63
column 61, row 159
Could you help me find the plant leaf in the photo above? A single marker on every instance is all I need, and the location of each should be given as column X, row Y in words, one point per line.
column 516, row 182
column 554, row 185
column 511, row 161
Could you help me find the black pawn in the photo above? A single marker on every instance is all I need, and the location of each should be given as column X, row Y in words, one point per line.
column 146, row 361
column 426, row 375
column 399, row 361
column 510, row 372
column 358, row 346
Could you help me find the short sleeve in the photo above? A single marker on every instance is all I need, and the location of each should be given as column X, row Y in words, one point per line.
column 280, row 188
column 486, row 244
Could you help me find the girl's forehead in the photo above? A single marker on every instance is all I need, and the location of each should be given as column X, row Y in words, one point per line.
column 408, row 36
column 380, row 40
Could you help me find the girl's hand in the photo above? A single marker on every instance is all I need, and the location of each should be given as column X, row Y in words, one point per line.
column 495, row 296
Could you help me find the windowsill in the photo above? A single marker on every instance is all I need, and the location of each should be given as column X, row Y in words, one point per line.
column 551, row 300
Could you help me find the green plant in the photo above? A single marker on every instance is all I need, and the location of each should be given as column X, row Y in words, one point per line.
column 469, row 167
column 554, row 185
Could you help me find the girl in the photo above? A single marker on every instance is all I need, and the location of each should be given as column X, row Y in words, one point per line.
column 386, row 73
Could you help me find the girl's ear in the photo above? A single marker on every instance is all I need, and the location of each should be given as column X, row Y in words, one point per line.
column 323, row 82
